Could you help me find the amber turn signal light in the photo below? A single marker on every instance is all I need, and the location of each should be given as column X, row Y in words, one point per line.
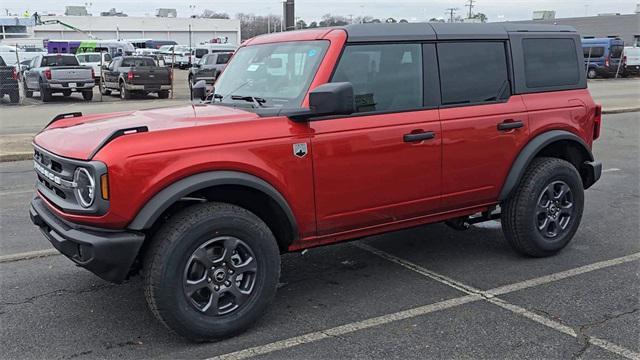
column 104, row 186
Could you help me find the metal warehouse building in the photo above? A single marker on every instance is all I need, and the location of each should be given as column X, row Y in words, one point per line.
column 626, row 26
column 157, row 28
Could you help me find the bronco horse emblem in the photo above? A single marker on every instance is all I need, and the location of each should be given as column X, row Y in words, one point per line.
column 300, row 150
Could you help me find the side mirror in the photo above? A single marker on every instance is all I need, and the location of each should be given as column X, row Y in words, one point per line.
column 199, row 90
column 328, row 99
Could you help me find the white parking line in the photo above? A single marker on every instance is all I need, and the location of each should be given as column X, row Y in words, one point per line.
column 610, row 170
column 473, row 295
column 489, row 295
column 28, row 255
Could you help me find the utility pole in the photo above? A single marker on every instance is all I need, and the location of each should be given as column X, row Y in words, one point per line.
column 470, row 6
column 452, row 12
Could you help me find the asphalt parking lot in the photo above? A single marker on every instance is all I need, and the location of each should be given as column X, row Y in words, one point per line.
column 428, row 292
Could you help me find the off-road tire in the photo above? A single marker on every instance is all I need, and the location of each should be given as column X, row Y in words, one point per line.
column 519, row 214
column 169, row 253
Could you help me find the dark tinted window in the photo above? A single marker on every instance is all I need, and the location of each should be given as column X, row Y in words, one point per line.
column 142, row 61
column 201, row 52
column 58, row 60
column 550, row 62
column 223, row 58
column 384, row 77
column 596, row 52
column 473, row 72
column 2, row 62
column 616, row 51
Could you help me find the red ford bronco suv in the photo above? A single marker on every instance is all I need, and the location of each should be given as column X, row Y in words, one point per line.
column 316, row 137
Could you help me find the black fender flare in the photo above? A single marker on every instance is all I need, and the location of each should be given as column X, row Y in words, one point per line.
column 166, row 197
column 530, row 151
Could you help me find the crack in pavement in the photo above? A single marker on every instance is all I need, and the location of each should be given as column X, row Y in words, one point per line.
column 585, row 340
column 57, row 292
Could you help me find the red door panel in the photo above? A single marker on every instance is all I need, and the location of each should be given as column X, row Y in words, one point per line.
column 366, row 174
column 476, row 156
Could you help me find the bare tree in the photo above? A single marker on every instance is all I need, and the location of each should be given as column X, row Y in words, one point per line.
column 210, row 14
column 331, row 20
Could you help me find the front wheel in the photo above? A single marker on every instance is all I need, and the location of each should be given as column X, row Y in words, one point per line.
column 211, row 271
column 545, row 210
column 592, row 74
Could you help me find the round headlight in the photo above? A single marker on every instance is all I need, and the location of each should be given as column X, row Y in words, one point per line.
column 85, row 187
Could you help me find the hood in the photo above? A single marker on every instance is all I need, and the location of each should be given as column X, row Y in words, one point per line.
column 79, row 137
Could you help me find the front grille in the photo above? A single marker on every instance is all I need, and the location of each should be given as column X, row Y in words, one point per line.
column 54, row 175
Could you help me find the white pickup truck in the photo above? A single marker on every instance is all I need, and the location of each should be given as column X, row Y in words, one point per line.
column 58, row 73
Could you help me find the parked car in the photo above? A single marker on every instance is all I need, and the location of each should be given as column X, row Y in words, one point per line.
column 95, row 60
column 631, row 59
column 9, row 82
column 316, row 137
column 181, row 53
column 58, row 73
column 208, row 68
column 602, row 57
column 136, row 74
column 11, row 56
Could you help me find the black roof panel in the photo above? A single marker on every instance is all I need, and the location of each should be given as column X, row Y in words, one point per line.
column 442, row 31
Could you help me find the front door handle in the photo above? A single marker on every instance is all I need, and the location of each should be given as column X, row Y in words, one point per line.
column 510, row 125
column 415, row 137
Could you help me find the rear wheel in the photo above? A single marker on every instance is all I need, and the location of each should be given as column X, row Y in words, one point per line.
column 163, row 94
column 27, row 93
column 87, row 95
column 544, row 213
column 45, row 94
column 592, row 74
column 124, row 93
column 14, row 97
column 211, row 271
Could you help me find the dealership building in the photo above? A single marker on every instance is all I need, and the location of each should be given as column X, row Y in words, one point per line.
column 179, row 30
column 624, row 26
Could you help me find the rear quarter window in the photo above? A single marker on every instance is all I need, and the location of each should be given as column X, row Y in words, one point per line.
column 2, row 63
column 550, row 62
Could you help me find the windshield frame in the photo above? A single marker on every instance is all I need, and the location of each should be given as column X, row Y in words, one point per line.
column 272, row 102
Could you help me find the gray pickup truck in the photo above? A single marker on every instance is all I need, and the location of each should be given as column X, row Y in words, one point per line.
column 8, row 81
column 58, row 73
column 209, row 67
column 136, row 74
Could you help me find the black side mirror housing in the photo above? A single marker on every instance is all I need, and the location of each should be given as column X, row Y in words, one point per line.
column 328, row 99
column 199, row 90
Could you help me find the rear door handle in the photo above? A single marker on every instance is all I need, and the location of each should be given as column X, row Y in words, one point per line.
column 510, row 125
column 414, row 137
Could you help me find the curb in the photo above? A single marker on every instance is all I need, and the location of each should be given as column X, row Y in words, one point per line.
column 620, row 110
column 29, row 155
column 16, row 157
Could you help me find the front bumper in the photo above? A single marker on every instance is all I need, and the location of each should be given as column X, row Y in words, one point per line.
column 108, row 254
column 592, row 170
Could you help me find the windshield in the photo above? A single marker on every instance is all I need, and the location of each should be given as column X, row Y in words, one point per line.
column 279, row 73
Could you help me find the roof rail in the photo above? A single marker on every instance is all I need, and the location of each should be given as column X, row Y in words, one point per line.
column 63, row 116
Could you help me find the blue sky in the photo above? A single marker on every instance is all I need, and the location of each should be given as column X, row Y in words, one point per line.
column 309, row 10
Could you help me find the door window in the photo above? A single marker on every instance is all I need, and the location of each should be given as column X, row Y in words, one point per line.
column 385, row 77
column 473, row 72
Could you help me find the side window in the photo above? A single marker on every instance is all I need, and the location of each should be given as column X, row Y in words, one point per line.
column 384, row 76
column 593, row 52
column 107, row 57
column 550, row 62
column 473, row 72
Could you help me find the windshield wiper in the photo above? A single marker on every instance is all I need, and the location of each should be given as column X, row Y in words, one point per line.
column 257, row 101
